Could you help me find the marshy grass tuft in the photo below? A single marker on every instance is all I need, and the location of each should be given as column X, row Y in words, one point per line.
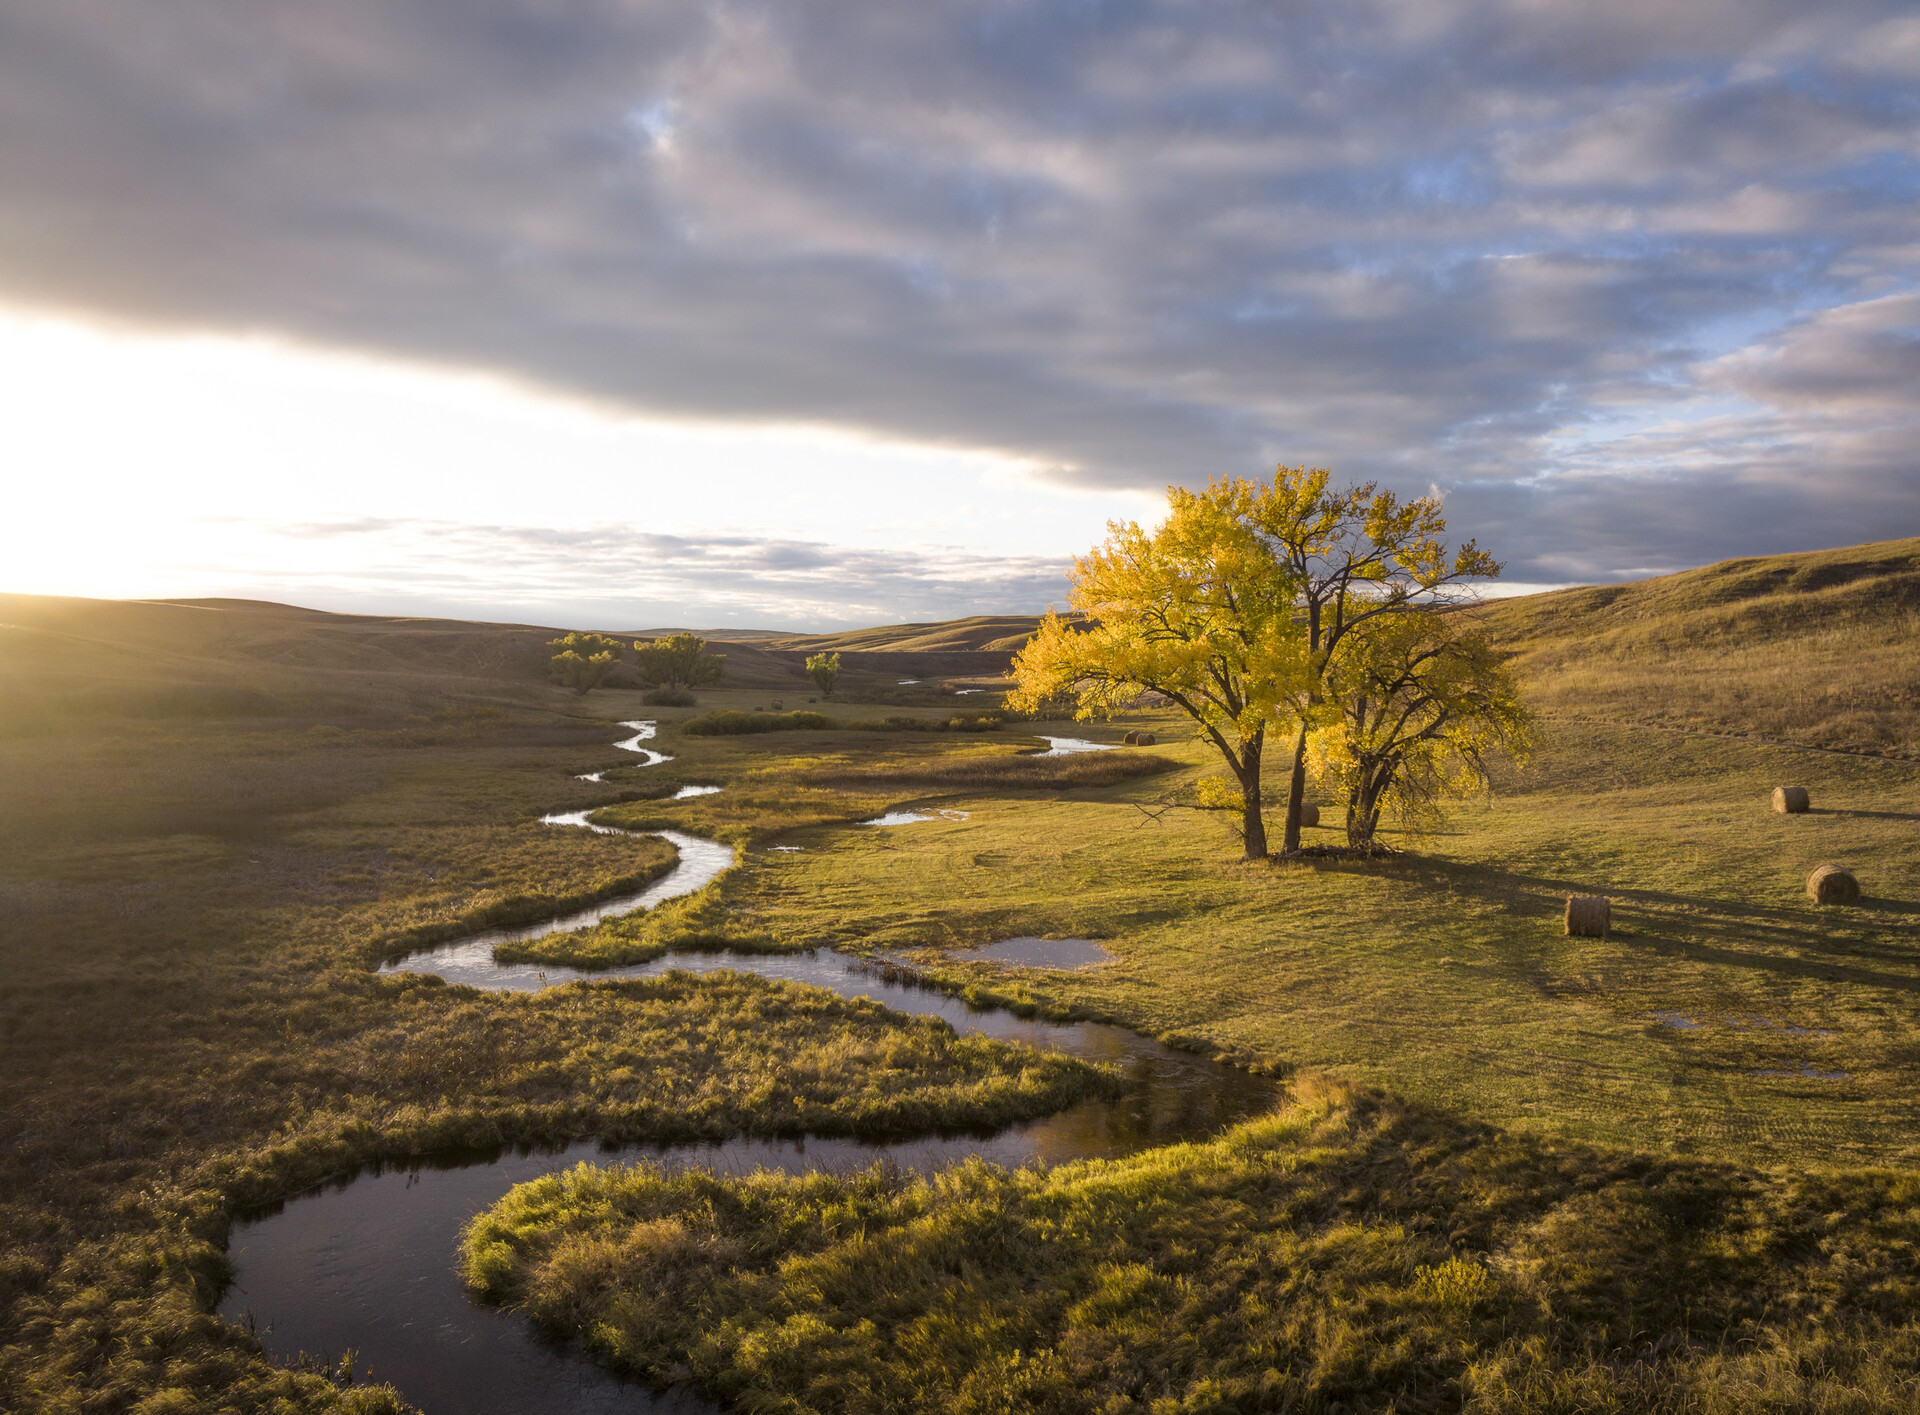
column 1350, row 1252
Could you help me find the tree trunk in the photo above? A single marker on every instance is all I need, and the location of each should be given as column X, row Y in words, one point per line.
column 1363, row 809
column 1254, row 830
column 1253, row 825
column 1296, row 795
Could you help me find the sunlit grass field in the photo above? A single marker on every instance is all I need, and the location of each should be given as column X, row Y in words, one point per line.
column 198, row 882
column 1727, row 1014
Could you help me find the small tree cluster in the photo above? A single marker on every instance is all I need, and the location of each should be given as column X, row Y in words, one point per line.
column 1290, row 604
column 582, row 661
column 680, row 661
column 824, row 670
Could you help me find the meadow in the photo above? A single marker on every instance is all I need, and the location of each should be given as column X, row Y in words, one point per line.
column 196, row 895
column 1350, row 1253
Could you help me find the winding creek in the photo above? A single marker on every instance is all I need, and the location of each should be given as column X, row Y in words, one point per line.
column 368, row 1263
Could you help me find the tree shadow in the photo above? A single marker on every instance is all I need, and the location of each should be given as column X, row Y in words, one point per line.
column 1730, row 933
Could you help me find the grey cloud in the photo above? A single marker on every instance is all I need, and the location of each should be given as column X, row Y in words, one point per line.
column 1854, row 360
column 618, row 574
column 1137, row 242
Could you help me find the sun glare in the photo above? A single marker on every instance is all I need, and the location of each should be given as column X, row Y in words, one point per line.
column 174, row 465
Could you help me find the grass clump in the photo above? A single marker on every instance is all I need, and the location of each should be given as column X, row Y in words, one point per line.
column 645, row 859
column 1350, row 1253
column 407, row 1067
column 984, row 773
column 959, row 722
column 730, row 722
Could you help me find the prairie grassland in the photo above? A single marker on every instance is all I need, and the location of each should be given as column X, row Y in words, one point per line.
column 1350, row 1253
column 193, row 905
column 1821, row 649
column 1718, row 1018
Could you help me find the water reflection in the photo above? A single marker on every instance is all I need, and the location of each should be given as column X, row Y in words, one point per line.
column 369, row 1264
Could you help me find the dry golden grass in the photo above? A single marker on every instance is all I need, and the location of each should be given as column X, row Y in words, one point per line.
column 1821, row 649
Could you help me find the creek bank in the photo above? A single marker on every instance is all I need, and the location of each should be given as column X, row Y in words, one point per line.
column 368, row 1263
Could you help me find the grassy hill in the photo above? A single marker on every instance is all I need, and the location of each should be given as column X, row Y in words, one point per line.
column 215, row 814
column 1821, row 648
column 64, row 657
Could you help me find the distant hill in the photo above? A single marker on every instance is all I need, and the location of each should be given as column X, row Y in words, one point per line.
column 67, row 656
column 984, row 633
column 1821, row 647
column 64, row 657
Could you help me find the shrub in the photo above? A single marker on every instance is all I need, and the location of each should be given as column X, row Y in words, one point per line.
column 982, row 722
column 731, row 723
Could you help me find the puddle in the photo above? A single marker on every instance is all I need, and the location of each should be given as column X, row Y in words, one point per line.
column 599, row 776
column 787, row 849
column 1751, row 1023
column 1680, row 1021
column 1038, row 953
column 685, row 792
column 908, row 682
column 1068, row 746
column 911, row 817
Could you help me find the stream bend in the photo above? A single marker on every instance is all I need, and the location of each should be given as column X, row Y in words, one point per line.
column 369, row 1264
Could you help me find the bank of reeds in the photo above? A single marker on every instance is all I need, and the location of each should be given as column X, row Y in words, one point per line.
column 418, row 1068
column 1006, row 773
column 1351, row 1253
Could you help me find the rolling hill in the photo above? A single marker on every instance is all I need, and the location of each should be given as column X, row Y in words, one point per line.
column 1820, row 648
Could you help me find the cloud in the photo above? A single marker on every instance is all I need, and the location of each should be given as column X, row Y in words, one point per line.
column 623, row 575
column 1519, row 249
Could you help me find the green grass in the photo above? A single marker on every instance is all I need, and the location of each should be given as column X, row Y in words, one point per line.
column 1443, row 974
column 1351, row 1253
column 195, row 894
column 190, row 1025
column 1821, row 649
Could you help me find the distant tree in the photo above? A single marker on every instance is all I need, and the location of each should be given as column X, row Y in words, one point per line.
column 679, row 661
column 582, row 661
column 1196, row 610
column 1352, row 558
column 824, row 669
column 1417, row 709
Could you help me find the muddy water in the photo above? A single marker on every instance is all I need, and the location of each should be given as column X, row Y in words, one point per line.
column 368, row 1264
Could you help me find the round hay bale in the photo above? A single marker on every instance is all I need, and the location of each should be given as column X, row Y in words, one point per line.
column 1309, row 814
column 1832, row 885
column 1589, row 915
column 1790, row 800
column 1144, row 739
column 1132, row 739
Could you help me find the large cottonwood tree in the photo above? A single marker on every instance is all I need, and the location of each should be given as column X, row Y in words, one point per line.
column 1352, row 558
column 1198, row 611
column 677, row 661
column 581, row 661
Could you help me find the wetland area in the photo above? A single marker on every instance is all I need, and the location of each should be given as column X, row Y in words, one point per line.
column 895, row 1056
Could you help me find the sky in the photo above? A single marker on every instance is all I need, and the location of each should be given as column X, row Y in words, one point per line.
column 628, row 313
